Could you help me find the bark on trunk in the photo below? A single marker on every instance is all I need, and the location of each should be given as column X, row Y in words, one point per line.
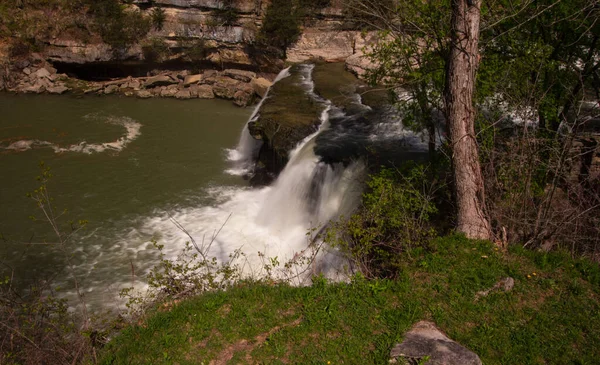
column 460, row 114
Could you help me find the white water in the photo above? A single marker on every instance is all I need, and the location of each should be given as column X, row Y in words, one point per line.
column 132, row 131
column 247, row 149
column 276, row 222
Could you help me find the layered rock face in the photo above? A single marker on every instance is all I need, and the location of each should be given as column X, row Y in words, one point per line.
column 190, row 26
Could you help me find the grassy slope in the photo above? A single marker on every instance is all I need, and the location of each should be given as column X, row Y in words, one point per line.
column 551, row 317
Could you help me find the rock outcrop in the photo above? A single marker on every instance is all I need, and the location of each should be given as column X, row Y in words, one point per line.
column 284, row 120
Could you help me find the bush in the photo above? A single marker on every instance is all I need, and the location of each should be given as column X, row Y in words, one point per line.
column 156, row 50
column 283, row 19
column 226, row 14
column 117, row 27
column 158, row 17
column 395, row 216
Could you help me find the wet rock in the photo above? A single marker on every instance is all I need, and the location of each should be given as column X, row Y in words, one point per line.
column 205, row 92
column 144, row 94
column 183, row 94
column 160, row 80
column 60, row 89
column 260, row 86
column 244, row 76
column 426, row 340
column 225, row 87
column 192, row 79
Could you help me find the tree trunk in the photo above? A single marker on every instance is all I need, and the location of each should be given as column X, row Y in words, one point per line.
column 460, row 113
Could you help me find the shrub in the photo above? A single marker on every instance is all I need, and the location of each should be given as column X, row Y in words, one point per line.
column 226, row 14
column 283, row 19
column 158, row 17
column 117, row 27
column 156, row 50
column 395, row 216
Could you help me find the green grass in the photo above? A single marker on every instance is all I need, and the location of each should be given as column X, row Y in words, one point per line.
column 550, row 317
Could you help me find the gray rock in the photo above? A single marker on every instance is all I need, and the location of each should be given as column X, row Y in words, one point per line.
column 160, row 80
column 426, row 340
column 192, row 79
column 60, row 89
column 144, row 94
column 244, row 76
column 205, row 92
column 506, row 285
column 111, row 89
column 27, row 71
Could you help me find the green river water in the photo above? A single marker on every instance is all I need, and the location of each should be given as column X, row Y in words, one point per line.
column 115, row 161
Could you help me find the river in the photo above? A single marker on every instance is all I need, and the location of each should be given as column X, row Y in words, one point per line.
column 116, row 162
column 136, row 168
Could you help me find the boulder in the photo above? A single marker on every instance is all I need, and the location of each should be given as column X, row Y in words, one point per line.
column 144, row 94
column 60, row 89
column 225, row 87
column 261, row 86
column 205, row 92
column 168, row 92
column 135, row 84
column 242, row 98
column 111, row 89
column 192, row 79
column 209, row 77
column 425, row 340
column 244, row 76
column 92, row 89
column 41, row 73
column 36, row 88
column 160, row 80
column 183, row 94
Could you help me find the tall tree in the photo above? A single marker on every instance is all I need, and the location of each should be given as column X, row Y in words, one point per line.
column 461, row 73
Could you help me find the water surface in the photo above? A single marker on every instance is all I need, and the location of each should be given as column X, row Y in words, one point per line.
column 115, row 161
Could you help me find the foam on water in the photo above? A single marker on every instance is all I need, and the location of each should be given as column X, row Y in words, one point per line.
column 247, row 149
column 131, row 126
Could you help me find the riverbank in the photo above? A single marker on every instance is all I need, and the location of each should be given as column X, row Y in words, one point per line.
column 551, row 315
column 244, row 88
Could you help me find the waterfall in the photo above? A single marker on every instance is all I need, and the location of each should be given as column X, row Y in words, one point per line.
column 278, row 221
column 247, row 149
